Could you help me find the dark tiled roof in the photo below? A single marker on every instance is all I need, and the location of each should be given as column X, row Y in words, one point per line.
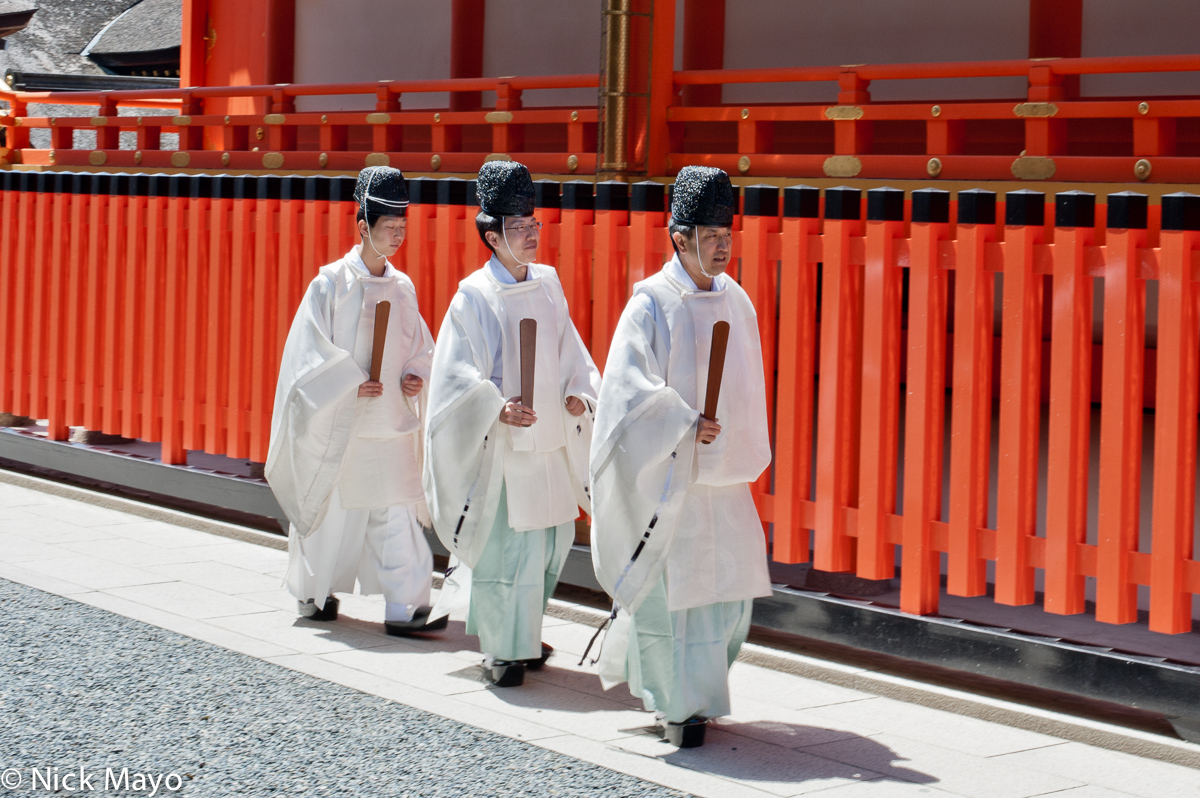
column 150, row 25
column 58, row 33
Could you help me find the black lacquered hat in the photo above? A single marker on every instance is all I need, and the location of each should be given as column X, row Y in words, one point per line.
column 382, row 191
column 702, row 196
column 505, row 188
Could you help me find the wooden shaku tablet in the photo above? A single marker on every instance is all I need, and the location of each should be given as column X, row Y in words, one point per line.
column 382, row 312
column 716, row 368
column 528, row 359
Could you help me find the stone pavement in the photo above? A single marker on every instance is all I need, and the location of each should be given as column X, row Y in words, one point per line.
column 789, row 735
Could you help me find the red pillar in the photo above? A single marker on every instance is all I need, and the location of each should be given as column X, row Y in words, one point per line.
column 280, row 52
column 1056, row 31
column 703, row 46
column 466, row 49
column 662, row 89
column 193, row 46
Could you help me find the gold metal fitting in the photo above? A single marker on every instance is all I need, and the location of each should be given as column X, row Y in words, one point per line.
column 227, row 120
column 97, row 158
column 435, row 163
column 323, row 161
column 572, row 163
column 437, row 118
column 258, row 133
column 99, row 121
column 498, row 117
column 744, row 164
column 53, row 121
column 934, row 167
column 180, row 159
column 272, row 160
column 843, row 112
column 137, row 157
column 181, row 120
column 324, row 119
column 378, row 159
column 378, row 119
column 1141, row 169
column 936, row 110
column 53, row 156
column 1143, row 108
column 224, row 159
column 139, row 120
column 574, row 116
column 745, row 113
column 274, row 119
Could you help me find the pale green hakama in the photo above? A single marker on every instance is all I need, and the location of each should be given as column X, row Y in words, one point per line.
column 512, row 584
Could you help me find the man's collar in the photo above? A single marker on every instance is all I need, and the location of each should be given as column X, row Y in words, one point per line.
column 360, row 266
column 500, row 273
column 674, row 269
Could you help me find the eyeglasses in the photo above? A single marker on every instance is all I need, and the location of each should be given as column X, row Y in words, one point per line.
column 526, row 228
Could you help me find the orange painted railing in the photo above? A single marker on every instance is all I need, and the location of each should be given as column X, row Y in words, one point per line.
column 156, row 307
column 1049, row 133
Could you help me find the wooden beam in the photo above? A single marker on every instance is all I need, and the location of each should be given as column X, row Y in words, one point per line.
column 703, row 46
column 1056, row 31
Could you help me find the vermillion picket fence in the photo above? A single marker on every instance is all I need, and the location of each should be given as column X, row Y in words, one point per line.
column 156, row 307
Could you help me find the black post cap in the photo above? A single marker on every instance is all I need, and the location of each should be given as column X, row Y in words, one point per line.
column 843, row 202
column 27, row 181
column 577, row 195
column 801, row 202
column 1024, row 207
column 760, row 200
column 1127, row 210
column 101, row 181
column 341, row 188
column 139, row 185
column 7, row 181
column 648, row 196
column 545, row 194
column 885, row 205
column 612, row 195
column 180, row 185
column 81, row 183
column 1180, row 211
column 317, row 188
column 270, row 187
column 452, row 191
column 225, row 187
column 1074, row 209
column 422, row 191
column 292, row 187
column 43, row 182
column 931, row 206
column 977, row 206
column 245, row 187
column 157, row 185
column 473, row 193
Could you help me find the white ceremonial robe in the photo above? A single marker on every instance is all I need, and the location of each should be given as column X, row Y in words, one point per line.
column 474, row 460
column 346, row 469
column 673, row 517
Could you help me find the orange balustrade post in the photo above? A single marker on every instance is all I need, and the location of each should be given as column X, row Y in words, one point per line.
column 1175, row 417
column 78, row 266
column 38, row 298
column 1121, row 408
column 547, row 201
column 507, row 137
column 1070, row 402
column 316, row 243
column 760, row 229
column 575, row 258
column 195, row 200
column 136, row 276
column 971, row 419
column 797, row 358
column 98, row 230
column 11, row 199
column 116, row 316
column 418, row 243
column 219, row 366
column 292, row 279
column 610, row 283
column 266, row 274
column 853, row 136
column 155, row 298
column 239, row 327
column 57, row 266
column 879, row 436
column 184, row 231
column 448, row 254
column 475, row 252
column 647, row 218
column 925, row 424
column 1020, row 398
column 340, row 212
column 838, row 402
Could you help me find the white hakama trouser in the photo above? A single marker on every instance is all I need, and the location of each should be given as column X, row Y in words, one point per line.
column 512, row 584
column 384, row 549
column 678, row 662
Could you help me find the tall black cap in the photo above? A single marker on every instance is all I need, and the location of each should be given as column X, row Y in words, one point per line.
column 1127, row 210
column 885, row 205
column 703, row 195
column 1024, row 207
column 977, row 206
column 931, row 206
column 648, row 196
column 545, row 194
column 612, row 195
column 381, row 191
column 577, row 195
column 505, row 188
column 843, row 202
column 1074, row 209
column 801, row 202
column 760, row 200
column 452, row 191
column 1180, row 211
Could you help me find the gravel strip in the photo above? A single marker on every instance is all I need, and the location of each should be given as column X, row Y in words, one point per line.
column 81, row 688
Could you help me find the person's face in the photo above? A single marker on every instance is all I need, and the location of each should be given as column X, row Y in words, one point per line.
column 387, row 235
column 522, row 234
column 715, row 244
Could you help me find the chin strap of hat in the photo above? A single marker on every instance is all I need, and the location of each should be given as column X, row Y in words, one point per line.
column 366, row 216
column 513, row 255
column 700, row 257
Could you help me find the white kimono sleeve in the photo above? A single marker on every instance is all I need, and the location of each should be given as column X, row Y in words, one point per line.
column 641, row 458
column 314, row 411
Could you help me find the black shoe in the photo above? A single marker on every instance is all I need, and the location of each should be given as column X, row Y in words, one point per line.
column 419, row 624
column 308, row 609
column 536, row 664
column 503, row 673
column 689, row 734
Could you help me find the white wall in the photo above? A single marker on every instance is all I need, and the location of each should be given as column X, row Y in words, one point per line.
column 341, row 41
column 1145, row 27
column 543, row 37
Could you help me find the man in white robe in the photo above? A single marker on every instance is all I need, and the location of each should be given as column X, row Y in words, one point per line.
column 505, row 481
column 346, row 451
column 676, row 538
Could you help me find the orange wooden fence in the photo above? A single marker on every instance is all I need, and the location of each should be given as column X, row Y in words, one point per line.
column 156, row 306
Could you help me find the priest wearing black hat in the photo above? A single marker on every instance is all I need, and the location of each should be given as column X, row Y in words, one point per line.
column 346, row 449
column 676, row 538
column 505, row 480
